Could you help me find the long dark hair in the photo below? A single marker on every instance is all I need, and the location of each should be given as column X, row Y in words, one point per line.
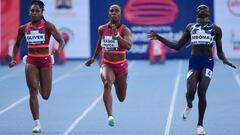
column 39, row 3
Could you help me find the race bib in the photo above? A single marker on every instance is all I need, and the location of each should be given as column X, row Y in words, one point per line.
column 109, row 43
column 208, row 73
column 200, row 38
column 35, row 37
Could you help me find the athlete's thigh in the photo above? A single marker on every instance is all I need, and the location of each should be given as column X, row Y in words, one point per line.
column 120, row 82
column 32, row 76
column 46, row 78
column 107, row 73
column 206, row 76
column 192, row 80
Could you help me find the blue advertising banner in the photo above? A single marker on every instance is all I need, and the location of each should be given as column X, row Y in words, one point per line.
column 167, row 17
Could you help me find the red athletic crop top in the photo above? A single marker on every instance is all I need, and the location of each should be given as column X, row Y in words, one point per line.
column 109, row 43
column 37, row 37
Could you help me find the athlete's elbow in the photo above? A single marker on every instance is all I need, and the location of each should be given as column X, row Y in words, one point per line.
column 220, row 55
column 128, row 46
column 177, row 49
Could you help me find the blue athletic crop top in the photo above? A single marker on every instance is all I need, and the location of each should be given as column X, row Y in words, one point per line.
column 202, row 34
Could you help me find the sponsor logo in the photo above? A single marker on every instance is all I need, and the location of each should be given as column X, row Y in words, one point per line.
column 150, row 12
column 234, row 7
column 235, row 41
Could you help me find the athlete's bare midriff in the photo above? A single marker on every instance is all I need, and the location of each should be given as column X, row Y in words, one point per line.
column 38, row 50
column 201, row 50
column 114, row 57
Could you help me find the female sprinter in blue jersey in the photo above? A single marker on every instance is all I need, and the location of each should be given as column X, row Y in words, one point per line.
column 203, row 34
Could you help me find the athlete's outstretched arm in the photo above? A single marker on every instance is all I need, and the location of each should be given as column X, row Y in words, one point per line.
column 20, row 35
column 220, row 52
column 57, row 36
column 98, row 47
column 174, row 45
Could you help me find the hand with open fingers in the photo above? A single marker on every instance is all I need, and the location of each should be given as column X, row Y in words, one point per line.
column 229, row 64
column 12, row 63
column 152, row 35
column 90, row 62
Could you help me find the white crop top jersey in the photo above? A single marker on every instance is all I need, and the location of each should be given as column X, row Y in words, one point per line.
column 202, row 34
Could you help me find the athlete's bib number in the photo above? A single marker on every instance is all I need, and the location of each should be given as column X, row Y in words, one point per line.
column 109, row 43
column 35, row 37
column 201, row 38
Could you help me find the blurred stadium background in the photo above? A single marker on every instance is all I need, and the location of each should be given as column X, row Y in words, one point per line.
column 155, row 93
column 79, row 20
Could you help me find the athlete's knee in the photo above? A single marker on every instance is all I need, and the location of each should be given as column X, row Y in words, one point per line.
column 202, row 95
column 121, row 98
column 33, row 97
column 203, row 88
column 107, row 85
column 33, row 88
column 33, row 93
column 45, row 95
column 190, row 95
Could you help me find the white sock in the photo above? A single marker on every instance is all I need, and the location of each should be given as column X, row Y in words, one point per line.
column 37, row 122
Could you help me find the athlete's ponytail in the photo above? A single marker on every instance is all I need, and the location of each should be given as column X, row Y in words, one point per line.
column 43, row 18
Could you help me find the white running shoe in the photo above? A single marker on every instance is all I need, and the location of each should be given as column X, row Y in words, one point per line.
column 200, row 130
column 111, row 121
column 37, row 129
column 186, row 112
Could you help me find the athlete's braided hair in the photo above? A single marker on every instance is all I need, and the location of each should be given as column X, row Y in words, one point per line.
column 40, row 4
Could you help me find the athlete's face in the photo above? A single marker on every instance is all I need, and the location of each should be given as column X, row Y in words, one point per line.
column 35, row 12
column 114, row 13
column 202, row 11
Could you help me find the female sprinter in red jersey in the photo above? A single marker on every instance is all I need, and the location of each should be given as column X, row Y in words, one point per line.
column 114, row 39
column 38, row 68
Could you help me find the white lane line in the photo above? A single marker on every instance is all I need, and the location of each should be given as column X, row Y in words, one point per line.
column 173, row 100
column 74, row 124
column 27, row 96
column 236, row 76
column 10, row 75
column 86, row 111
